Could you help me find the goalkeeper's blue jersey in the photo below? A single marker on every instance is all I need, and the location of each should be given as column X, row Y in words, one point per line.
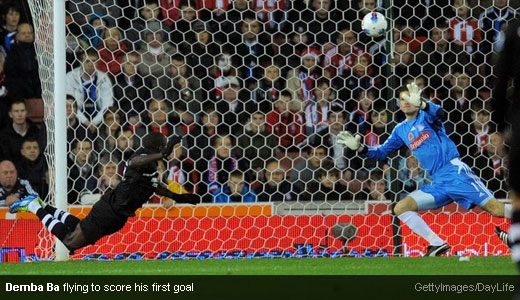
column 425, row 136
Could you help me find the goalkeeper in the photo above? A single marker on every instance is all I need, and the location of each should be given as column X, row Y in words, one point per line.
column 110, row 213
column 424, row 134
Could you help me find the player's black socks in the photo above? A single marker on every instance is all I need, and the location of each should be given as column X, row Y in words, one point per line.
column 514, row 237
column 54, row 226
column 69, row 220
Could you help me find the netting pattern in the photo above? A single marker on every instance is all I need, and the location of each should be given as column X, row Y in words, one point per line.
column 260, row 89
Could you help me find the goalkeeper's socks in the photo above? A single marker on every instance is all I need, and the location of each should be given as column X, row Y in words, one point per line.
column 417, row 224
column 514, row 237
column 56, row 227
column 70, row 220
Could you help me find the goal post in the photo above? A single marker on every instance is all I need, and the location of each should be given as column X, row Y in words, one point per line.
column 49, row 29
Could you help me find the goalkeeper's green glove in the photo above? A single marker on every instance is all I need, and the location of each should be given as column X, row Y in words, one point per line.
column 415, row 96
column 346, row 139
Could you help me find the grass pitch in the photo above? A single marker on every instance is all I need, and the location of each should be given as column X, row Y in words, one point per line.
column 292, row 266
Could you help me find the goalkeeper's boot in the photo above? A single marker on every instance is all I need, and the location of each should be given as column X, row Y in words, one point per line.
column 23, row 204
column 503, row 236
column 437, row 250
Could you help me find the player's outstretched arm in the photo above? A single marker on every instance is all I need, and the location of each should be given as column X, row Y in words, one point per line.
column 381, row 152
column 140, row 161
column 145, row 159
column 163, row 190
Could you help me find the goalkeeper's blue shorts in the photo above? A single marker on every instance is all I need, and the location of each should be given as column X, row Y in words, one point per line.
column 454, row 183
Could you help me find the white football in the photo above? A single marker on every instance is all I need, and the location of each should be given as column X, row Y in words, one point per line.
column 374, row 24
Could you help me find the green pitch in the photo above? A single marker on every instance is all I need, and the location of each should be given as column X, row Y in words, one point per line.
column 321, row 266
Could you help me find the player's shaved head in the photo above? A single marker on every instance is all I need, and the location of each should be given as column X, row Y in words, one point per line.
column 154, row 142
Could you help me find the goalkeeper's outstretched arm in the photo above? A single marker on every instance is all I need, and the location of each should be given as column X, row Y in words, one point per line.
column 393, row 143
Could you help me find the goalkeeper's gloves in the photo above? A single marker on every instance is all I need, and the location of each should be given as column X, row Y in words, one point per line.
column 346, row 139
column 415, row 96
column 174, row 140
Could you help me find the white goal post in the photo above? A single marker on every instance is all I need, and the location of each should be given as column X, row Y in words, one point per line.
column 49, row 29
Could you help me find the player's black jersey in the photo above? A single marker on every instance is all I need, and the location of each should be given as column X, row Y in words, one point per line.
column 22, row 187
column 136, row 187
column 508, row 67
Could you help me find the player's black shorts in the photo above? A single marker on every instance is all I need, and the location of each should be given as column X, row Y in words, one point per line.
column 514, row 157
column 102, row 220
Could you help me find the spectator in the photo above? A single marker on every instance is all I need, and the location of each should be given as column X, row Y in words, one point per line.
column 82, row 10
column 12, row 188
column 491, row 21
column 285, row 123
column 326, row 187
column 327, row 137
column 272, row 13
column 91, row 88
column 198, row 56
column 303, row 172
column 93, row 32
column 276, row 187
column 75, row 130
column 155, row 56
column 375, row 188
column 21, row 128
column 316, row 111
column 438, row 55
column 105, row 178
column 227, row 22
column 475, row 140
column 111, row 51
column 170, row 11
column 125, row 144
column 230, row 107
column 341, row 58
column 21, row 66
column 363, row 106
column 376, row 131
column 209, row 121
column 458, row 103
column 269, row 88
column 404, row 61
column 256, row 144
column 185, row 26
column 491, row 167
column 322, row 19
column 106, row 141
column 180, row 84
column 224, row 67
column 131, row 91
column 11, row 17
column 235, row 190
column 5, row 101
column 148, row 20
column 219, row 162
column 302, row 82
column 464, row 28
column 157, row 118
column 182, row 178
column 251, row 48
column 80, row 168
column 412, row 175
column 33, row 167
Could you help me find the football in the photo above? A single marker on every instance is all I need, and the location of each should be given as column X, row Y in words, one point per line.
column 374, row 24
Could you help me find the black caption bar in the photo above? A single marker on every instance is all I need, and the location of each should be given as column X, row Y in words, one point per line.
column 258, row 287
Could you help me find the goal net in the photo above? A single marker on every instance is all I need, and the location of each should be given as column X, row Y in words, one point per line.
column 259, row 91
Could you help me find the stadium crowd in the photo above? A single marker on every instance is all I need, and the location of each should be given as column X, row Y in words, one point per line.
column 259, row 91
